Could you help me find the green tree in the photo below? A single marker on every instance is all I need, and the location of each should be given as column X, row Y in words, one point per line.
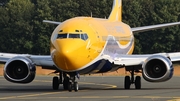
column 63, row 9
column 42, row 31
column 149, row 12
column 3, row 2
column 22, row 29
column 3, row 24
column 17, row 30
column 96, row 8
column 162, row 40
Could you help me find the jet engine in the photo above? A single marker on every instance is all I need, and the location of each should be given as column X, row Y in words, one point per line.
column 157, row 68
column 19, row 69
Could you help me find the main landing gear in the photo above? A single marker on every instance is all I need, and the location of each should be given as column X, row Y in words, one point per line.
column 69, row 82
column 130, row 80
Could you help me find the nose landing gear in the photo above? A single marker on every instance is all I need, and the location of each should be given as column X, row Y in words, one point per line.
column 73, row 84
column 69, row 82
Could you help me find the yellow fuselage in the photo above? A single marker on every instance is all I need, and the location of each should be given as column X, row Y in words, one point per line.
column 72, row 54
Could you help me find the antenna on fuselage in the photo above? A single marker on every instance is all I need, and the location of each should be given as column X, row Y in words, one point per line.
column 91, row 14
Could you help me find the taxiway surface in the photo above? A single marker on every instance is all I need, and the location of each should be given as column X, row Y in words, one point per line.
column 90, row 89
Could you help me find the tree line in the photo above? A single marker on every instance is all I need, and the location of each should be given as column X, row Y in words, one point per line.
column 22, row 29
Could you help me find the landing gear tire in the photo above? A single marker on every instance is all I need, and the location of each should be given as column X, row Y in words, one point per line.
column 138, row 82
column 65, row 84
column 76, row 87
column 70, row 86
column 127, row 82
column 55, row 83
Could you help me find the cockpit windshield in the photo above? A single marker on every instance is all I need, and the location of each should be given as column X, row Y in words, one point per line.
column 62, row 36
column 74, row 35
column 82, row 36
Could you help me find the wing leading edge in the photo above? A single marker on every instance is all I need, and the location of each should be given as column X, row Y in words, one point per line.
column 39, row 60
column 153, row 27
column 135, row 60
column 52, row 22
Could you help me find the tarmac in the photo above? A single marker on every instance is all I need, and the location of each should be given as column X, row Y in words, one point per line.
column 91, row 88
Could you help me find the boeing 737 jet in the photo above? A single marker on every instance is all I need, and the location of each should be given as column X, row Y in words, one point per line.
column 87, row 45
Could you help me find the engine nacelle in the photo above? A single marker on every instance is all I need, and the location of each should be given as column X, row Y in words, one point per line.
column 19, row 70
column 157, row 68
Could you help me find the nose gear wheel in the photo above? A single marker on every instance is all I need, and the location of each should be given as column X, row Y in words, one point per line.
column 69, row 82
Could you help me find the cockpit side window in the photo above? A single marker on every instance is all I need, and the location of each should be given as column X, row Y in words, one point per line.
column 84, row 36
column 62, row 36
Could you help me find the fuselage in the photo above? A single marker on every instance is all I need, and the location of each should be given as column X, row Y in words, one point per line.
column 78, row 42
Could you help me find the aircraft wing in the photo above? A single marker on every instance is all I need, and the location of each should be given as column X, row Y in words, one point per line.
column 138, row 60
column 52, row 22
column 152, row 27
column 39, row 60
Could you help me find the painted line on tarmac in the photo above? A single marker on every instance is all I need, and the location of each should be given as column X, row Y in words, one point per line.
column 107, row 85
column 108, row 97
column 175, row 99
column 113, row 97
column 36, row 96
column 29, row 95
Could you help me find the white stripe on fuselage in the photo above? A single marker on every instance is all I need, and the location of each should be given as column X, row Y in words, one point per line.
column 109, row 54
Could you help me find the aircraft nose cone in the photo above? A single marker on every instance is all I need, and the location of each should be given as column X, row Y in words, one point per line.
column 67, row 54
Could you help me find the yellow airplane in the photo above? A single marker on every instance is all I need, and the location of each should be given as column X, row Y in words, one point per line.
column 87, row 45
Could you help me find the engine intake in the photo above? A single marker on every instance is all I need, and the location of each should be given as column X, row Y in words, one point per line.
column 19, row 70
column 157, row 68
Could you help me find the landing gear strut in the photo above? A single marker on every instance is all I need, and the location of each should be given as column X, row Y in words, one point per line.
column 69, row 82
column 130, row 80
column 73, row 84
